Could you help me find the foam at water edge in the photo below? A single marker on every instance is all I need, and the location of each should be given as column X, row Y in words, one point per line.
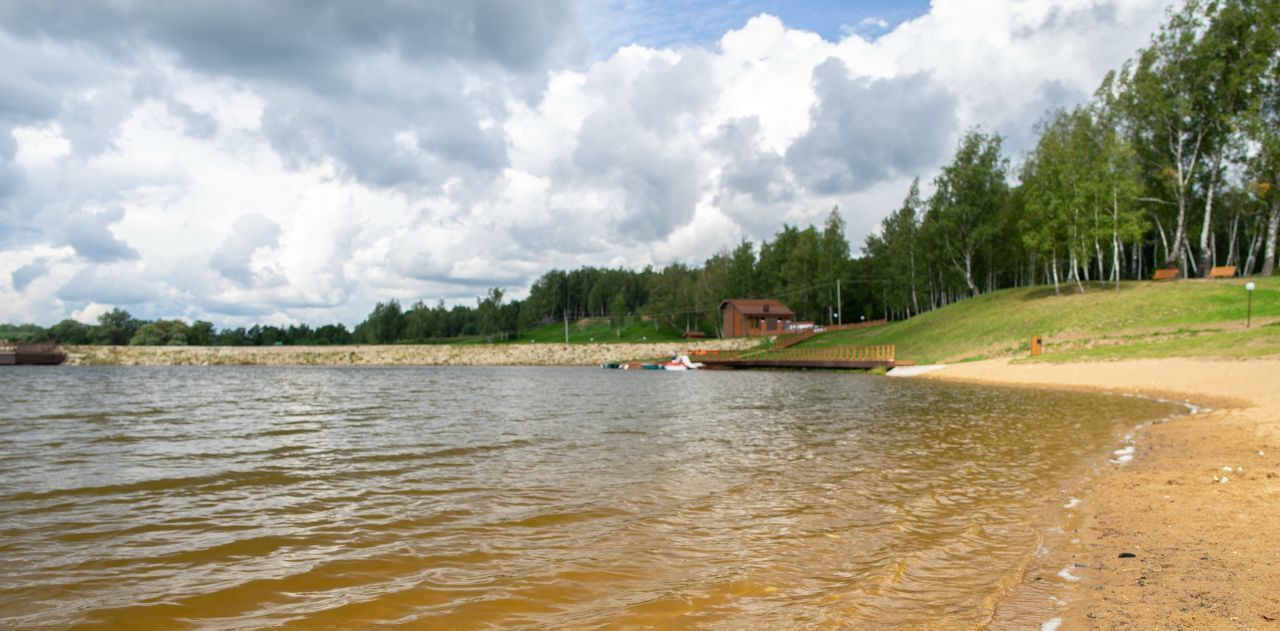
column 1066, row 575
column 1072, row 503
column 1123, row 455
column 1051, row 624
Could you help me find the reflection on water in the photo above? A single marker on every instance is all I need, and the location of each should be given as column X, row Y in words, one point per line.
column 461, row 498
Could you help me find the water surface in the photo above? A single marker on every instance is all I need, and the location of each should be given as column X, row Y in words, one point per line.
column 459, row 498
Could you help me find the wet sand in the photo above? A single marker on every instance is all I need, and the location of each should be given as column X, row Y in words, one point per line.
column 389, row 355
column 1206, row 552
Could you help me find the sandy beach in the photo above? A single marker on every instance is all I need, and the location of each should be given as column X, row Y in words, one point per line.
column 1204, row 537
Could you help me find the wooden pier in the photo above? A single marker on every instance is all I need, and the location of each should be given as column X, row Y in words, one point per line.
column 832, row 357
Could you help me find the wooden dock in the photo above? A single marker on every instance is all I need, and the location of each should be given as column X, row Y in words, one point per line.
column 828, row 358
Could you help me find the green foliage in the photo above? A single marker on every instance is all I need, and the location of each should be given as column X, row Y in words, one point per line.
column 161, row 333
column 70, row 332
column 966, row 208
column 384, row 326
column 116, row 327
column 22, row 333
column 201, row 334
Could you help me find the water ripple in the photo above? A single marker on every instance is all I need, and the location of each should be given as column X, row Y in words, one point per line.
column 228, row 498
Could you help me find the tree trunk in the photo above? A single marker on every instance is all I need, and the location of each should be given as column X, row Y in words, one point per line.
column 1206, row 232
column 1164, row 241
column 1188, row 262
column 1075, row 270
column 1273, row 226
column 1232, row 257
column 1176, row 257
column 1057, row 291
column 1255, row 244
column 915, row 302
column 968, row 273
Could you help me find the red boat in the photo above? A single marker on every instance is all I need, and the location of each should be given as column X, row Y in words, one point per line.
column 44, row 354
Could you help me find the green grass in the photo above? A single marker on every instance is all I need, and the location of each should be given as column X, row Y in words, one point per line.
column 1190, row 318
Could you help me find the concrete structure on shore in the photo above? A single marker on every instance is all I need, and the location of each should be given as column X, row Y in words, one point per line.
column 524, row 354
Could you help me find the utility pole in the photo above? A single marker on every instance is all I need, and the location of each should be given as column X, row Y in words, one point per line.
column 566, row 326
column 839, row 305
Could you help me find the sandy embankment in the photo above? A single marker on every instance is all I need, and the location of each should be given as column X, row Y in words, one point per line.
column 1207, row 552
column 404, row 355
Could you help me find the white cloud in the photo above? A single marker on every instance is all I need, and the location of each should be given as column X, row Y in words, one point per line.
column 281, row 184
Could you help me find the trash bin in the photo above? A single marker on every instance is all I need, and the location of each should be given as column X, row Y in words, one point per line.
column 1037, row 345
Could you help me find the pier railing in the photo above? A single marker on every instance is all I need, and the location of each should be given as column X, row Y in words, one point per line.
column 878, row 353
column 791, row 339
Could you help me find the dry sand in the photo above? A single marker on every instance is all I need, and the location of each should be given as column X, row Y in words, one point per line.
column 399, row 355
column 1207, row 552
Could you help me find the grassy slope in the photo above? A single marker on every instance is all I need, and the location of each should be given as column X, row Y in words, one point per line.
column 1195, row 318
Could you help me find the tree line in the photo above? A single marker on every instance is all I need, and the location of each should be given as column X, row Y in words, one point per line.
column 1173, row 163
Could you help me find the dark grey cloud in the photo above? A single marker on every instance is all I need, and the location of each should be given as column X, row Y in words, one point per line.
column 248, row 233
column 443, row 131
column 638, row 144
column 1096, row 14
column 1019, row 130
column 864, row 130
column 90, row 234
column 294, row 38
column 10, row 176
column 342, row 82
column 755, row 187
column 25, row 275
column 108, row 285
column 760, row 174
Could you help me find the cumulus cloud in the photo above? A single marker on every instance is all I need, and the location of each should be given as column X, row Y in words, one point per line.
column 289, row 161
column 639, row 143
column 866, row 130
column 117, row 286
column 90, row 234
column 23, row 276
column 234, row 258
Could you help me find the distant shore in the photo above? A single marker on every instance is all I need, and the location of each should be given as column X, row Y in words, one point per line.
column 526, row 354
column 1204, row 549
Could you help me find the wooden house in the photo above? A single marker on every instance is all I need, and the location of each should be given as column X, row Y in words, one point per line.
column 747, row 317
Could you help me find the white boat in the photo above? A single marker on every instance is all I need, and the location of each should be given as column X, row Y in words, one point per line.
column 677, row 362
column 681, row 362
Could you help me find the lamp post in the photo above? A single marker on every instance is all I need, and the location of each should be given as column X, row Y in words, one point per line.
column 1248, row 318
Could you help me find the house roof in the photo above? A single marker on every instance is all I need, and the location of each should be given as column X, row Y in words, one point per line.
column 755, row 307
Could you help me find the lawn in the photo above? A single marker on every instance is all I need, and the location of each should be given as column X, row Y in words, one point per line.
column 1197, row 318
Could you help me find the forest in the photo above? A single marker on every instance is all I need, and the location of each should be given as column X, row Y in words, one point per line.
column 1173, row 163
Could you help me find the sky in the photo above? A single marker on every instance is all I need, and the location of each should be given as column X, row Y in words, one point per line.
column 296, row 161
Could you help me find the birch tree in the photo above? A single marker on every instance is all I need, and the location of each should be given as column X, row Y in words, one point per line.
column 967, row 203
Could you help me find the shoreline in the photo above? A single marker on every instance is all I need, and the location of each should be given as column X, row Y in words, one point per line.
column 1204, row 552
column 389, row 355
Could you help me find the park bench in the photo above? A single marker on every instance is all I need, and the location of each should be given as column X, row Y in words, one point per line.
column 1227, row 271
column 1168, row 273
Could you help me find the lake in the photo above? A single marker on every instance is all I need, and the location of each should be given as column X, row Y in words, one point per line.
column 458, row 498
